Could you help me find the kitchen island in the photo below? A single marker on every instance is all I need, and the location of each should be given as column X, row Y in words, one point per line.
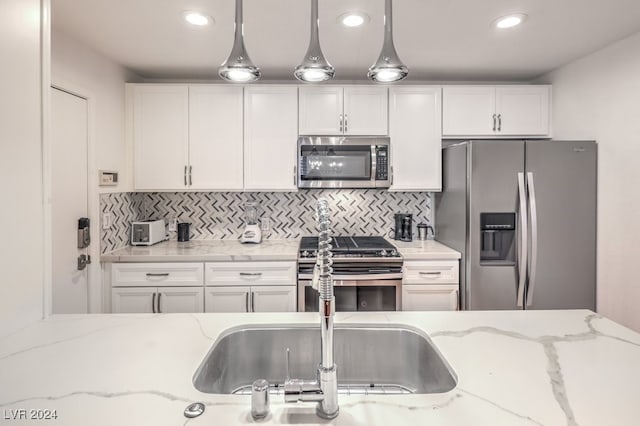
column 534, row 367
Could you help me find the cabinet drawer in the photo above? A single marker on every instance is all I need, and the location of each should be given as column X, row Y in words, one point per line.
column 250, row 273
column 430, row 272
column 430, row 297
column 156, row 274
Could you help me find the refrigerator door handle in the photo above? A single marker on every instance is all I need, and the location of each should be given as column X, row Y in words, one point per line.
column 533, row 254
column 522, row 258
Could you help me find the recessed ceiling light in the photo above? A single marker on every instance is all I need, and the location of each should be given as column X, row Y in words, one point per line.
column 353, row 19
column 509, row 21
column 197, row 18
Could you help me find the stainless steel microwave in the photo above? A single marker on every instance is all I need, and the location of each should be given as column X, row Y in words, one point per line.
column 343, row 162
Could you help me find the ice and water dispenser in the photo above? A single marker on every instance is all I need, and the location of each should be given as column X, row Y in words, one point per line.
column 497, row 239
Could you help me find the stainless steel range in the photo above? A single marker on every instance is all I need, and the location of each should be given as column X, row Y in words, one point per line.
column 367, row 274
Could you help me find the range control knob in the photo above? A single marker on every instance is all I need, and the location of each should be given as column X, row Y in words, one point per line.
column 383, row 253
column 305, row 253
column 393, row 253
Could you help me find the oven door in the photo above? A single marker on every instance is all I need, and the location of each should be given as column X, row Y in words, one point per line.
column 355, row 295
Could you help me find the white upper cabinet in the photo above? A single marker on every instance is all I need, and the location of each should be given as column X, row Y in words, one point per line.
column 321, row 110
column 416, row 138
column 270, row 135
column 496, row 111
column 337, row 110
column 365, row 110
column 161, row 136
column 468, row 110
column 215, row 137
column 188, row 137
column 523, row 110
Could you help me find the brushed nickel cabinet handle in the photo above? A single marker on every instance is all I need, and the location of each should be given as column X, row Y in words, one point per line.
column 246, row 302
column 253, row 309
column 152, row 274
column 250, row 274
column 499, row 122
column 430, row 273
column 185, row 175
column 159, row 305
column 190, row 176
column 494, row 122
column 341, row 123
column 153, row 303
column 346, row 123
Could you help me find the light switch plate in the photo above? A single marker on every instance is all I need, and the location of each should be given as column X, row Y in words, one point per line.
column 106, row 220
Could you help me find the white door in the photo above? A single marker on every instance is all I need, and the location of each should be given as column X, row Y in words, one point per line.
column 321, row 110
column 273, row 299
column 366, row 111
column 468, row 111
column 180, row 300
column 69, row 168
column 133, row 300
column 429, row 297
column 416, row 135
column 227, row 299
column 523, row 110
column 270, row 141
column 161, row 136
column 215, row 137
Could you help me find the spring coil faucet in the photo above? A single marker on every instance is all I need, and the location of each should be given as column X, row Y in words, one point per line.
column 324, row 389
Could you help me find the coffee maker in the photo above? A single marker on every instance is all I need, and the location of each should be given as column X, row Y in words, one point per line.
column 403, row 230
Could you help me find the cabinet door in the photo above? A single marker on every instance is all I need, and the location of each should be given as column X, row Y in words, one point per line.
column 180, row 300
column 215, row 137
column 416, row 138
column 271, row 134
column 429, row 297
column 366, row 111
column 273, row 299
column 523, row 110
column 227, row 299
column 160, row 136
column 132, row 300
column 321, row 110
column 468, row 111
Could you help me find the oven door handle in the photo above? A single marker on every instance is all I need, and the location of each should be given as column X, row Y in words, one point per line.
column 358, row 277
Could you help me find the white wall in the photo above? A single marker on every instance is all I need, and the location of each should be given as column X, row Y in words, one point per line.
column 598, row 97
column 76, row 66
column 21, row 186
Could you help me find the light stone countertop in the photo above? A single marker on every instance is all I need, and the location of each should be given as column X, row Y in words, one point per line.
column 207, row 251
column 513, row 368
column 233, row 250
column 425, row 250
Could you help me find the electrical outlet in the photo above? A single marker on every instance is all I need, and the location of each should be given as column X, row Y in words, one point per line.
column 106, row 220
column 173, row 224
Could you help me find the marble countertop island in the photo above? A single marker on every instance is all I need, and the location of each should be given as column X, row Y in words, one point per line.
column 513, row 368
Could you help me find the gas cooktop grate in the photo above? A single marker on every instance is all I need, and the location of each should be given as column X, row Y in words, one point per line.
column 343, row 389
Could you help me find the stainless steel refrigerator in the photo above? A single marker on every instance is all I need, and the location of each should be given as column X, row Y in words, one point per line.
column 523, row 215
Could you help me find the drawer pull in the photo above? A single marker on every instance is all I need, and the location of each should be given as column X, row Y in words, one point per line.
column 250, row 274
column 164, row 274
column 430, row 273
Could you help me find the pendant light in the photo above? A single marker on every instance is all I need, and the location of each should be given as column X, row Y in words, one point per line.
column 388, row 68
column 238, row 67
column 314, row 67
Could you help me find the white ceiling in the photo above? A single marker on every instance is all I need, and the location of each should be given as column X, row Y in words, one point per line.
column 437, row 39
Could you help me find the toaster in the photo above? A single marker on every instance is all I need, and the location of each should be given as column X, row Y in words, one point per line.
column 148, row 232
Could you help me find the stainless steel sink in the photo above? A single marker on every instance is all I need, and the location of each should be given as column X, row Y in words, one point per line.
column 370, row 359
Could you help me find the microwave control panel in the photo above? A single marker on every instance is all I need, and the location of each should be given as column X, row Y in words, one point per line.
column 382, row 162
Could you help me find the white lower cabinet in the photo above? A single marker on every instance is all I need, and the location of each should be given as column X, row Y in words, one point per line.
column 157, row 287
column 250, row 287
column 161, row 300
column 430, row 285
column 429, row 297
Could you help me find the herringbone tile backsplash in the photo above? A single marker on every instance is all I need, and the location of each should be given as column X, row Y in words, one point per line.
column 215, row 215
